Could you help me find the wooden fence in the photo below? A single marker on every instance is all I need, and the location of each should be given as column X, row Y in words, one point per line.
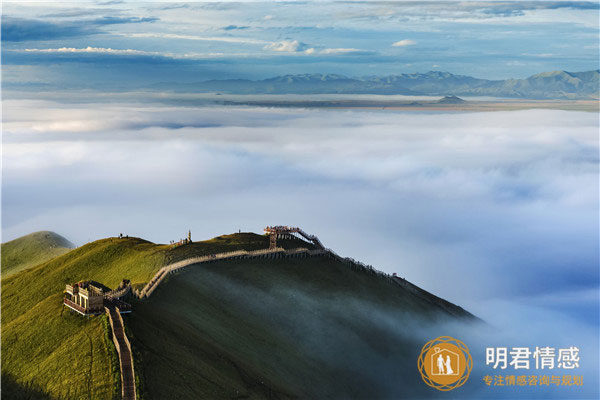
column 276, row 253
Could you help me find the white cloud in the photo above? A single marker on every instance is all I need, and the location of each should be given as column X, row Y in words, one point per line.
column 195, row 37
column 127, row 52
column 543, row 55
column 340, row 51
column 488, row 143
column 106, row 50
column 404, row 42
column 309, row 51
column 288, row 46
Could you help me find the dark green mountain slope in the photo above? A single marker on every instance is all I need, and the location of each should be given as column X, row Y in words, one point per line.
column 292, row 328
column 33, row 249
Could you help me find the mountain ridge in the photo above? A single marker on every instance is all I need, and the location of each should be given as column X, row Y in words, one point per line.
column 546, row 85
column 241, row 319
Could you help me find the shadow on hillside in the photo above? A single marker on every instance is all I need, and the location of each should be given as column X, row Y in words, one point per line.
column 17, row 391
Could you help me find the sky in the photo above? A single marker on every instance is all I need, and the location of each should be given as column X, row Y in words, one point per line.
column 127, row 44
column 494, row 211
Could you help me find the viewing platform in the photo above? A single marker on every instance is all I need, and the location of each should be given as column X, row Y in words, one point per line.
column 90, row 298
column 290, row 232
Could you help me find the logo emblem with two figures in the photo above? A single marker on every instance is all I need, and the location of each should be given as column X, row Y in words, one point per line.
column 445, row 363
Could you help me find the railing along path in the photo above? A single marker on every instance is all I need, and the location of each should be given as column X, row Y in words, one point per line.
column 162, row 273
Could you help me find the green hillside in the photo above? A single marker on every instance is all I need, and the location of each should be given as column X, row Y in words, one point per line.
column 251, row 328
column 33, row 249
column 42, row 343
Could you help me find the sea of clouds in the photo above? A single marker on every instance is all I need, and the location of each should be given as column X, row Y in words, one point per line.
column 495, row 211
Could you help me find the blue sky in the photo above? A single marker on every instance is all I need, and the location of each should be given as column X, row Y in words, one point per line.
column 94, row 44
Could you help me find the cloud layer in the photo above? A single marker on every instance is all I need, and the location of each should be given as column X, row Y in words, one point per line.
column 484, row 190
column 493, row 211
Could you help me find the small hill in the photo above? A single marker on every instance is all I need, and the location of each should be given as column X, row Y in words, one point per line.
column 33, row 249
column 451, row 100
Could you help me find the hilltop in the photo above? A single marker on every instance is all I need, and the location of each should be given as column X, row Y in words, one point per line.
column 33, row 249
column 451, row 100
column 242, row 328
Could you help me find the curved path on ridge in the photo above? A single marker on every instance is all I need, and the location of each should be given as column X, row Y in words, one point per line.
column 270, row 253
column 234, row 255
column 275, row 252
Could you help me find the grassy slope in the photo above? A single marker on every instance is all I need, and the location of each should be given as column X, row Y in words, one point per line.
column 308, row 328
column 42, row 343
column 31, row 250
column 59, row 352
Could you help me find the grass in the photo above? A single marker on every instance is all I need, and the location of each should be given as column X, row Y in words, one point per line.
column 107, row 261
column 308, row 328
column 30, row 250
column 58, row 351
column 292, row 328
column 113, row 355
column 49, row 349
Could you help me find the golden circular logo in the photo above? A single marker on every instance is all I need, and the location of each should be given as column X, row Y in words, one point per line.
column 445, row 363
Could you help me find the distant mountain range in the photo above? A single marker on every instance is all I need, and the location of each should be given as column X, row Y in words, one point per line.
column 547, row 85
